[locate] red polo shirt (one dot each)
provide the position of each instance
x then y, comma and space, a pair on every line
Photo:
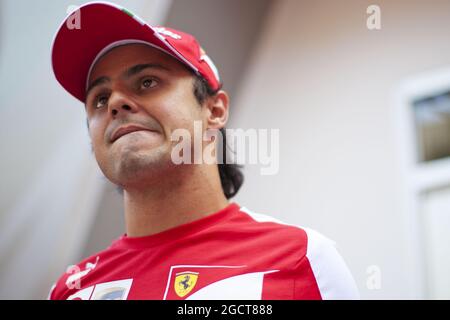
231, 254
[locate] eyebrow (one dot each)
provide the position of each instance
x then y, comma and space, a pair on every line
139, 67
97, 82
128, 73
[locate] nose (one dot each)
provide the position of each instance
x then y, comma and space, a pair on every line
120, 103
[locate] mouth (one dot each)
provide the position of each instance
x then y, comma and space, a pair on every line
121, 131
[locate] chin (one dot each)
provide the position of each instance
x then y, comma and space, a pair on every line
137, 168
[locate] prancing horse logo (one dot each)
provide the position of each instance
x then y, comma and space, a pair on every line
185, 282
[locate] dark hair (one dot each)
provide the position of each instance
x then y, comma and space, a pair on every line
231, 175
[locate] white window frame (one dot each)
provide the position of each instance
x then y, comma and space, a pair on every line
417, 177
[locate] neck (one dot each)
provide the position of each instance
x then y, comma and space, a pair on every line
187, 196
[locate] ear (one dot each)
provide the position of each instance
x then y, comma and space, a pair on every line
217, 110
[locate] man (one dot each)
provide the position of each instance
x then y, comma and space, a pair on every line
184, 239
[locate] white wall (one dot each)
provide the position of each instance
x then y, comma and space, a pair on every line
327, 82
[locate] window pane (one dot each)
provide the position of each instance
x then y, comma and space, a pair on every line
432, 118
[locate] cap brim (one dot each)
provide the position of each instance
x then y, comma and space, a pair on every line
100, 24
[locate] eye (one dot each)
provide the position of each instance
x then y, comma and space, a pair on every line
101, 101
148, 83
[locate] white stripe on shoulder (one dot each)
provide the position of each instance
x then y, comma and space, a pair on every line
332, 274
258, 217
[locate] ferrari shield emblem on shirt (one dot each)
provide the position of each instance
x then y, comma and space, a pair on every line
185, 282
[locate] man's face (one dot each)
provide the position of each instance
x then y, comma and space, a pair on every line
138, 85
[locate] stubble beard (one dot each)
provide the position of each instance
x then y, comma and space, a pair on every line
140, 168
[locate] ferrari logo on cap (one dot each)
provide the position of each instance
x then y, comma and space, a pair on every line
164, 32
185, 282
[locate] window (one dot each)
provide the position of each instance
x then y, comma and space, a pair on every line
432, 120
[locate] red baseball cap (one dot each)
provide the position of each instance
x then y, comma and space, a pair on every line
103, 26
